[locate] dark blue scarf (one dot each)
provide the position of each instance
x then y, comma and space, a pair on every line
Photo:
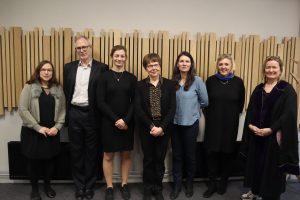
225, 78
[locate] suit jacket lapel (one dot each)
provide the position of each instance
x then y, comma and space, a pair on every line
73, 73
93, 72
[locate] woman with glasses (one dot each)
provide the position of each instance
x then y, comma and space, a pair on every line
270, 138
115, 95
155, 105
191, 96
42, 109
226, 93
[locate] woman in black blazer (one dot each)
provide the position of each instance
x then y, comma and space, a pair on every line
155, 105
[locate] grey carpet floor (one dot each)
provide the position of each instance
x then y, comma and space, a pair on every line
65, 191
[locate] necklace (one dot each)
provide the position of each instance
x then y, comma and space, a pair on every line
118, 77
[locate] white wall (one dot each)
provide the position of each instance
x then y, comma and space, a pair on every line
262, 17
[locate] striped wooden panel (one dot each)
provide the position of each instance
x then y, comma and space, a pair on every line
212, 54
20, 53
18, 74
145, 50
59, 67
2, 111
165, 55
8, 69
46, 48
40, 44
24, 60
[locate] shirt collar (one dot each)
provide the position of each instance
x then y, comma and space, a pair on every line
159, 82
80, 64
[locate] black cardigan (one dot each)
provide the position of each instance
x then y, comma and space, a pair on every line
167, 103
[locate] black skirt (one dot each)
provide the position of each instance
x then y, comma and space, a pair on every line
36, 146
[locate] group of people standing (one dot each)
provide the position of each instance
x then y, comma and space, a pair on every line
99, 105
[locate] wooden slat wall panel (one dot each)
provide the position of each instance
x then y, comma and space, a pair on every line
18, 75
8, 67
238, 58
12, 68
3, 63
20, 53
291, 63
212, 54
166, 68
2, 111
46, 48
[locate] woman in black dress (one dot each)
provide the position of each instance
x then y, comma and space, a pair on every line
226, 94
42, 109
270, 138
115, 95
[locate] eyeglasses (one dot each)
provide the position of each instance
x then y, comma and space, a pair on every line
83, 48
150, 66
46, 70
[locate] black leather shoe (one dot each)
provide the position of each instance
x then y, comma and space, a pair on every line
125, 192
89, 193
210, 190
109, 193
79, 194
49, 191
189, 190
175, 192
35, 195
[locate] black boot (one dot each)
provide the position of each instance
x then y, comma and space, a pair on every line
35, 195
222, 186
210, 190
189, 190
175, 191
48, 190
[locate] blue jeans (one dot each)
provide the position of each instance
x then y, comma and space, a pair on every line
184, 141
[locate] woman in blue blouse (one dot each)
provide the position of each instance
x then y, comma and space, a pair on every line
191, 96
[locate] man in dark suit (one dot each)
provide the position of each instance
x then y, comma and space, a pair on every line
82, 117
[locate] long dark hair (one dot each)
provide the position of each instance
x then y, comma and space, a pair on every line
190, 75
36, 74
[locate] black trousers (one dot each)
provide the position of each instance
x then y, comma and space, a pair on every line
184, 143
84, 146
219, 162
154, 150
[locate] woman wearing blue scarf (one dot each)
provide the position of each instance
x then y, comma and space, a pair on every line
226, 94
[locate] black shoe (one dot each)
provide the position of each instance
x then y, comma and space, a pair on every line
49, 191
189, 190
147, 194
89, 193
109, 193
210, 190
222, 187
35, 195
125, 192
175, 192
158, 195
79, 194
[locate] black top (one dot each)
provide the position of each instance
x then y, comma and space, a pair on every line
167, 103
226, 102
35, 145
115, 96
